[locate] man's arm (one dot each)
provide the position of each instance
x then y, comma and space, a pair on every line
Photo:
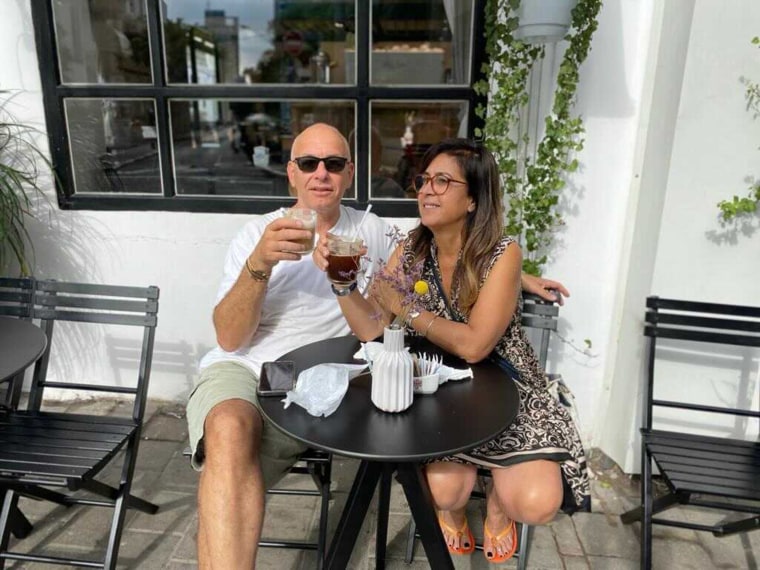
236, 316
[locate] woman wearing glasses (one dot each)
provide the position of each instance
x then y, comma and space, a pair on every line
473, 310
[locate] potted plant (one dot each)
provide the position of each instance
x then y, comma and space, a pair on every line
21, 163
540, 22
532, 181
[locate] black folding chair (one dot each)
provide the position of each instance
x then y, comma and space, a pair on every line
540, 317
705, 471
41, 450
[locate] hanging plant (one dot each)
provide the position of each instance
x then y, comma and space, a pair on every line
532, 184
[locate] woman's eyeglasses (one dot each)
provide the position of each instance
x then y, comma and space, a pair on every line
309, 164
439, 183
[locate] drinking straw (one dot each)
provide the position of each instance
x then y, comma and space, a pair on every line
364, 217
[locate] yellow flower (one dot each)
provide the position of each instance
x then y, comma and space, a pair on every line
421, 287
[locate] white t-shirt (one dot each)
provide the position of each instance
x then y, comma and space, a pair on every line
299, 307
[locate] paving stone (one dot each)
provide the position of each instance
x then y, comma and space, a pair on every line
608, 499
174, 510
154, 455
178, 473
143, 550
566, 537
575, 563
684, 555
288, 522
277, 559
187, 548
728, 551
543, 549
601, 537
168, 423
612, 563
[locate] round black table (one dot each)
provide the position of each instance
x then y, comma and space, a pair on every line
458, 417
21, 343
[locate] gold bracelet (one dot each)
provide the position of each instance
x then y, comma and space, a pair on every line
256, 274
430, 324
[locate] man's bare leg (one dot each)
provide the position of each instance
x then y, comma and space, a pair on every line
231, 488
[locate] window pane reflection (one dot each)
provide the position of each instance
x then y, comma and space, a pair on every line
102, 41
242, 148
258, 41
401, 133
420, 42
113, 145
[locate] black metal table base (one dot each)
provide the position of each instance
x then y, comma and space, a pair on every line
412, 480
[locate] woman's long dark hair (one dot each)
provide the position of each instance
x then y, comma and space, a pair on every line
483, 227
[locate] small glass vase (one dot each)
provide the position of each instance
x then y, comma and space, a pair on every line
392, 374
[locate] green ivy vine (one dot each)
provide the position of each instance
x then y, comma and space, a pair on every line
745, 205
531, 184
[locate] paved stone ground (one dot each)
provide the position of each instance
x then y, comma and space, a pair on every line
594, 540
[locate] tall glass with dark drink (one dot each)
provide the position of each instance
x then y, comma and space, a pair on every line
344, 261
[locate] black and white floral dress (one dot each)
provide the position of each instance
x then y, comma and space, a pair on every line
543, 429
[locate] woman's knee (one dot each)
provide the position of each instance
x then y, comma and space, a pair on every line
538, 505
450, 484
531, 493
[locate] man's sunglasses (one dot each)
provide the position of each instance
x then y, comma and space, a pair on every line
309, 164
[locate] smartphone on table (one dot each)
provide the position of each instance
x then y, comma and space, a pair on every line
277, 378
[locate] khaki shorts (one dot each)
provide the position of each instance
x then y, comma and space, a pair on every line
228, 381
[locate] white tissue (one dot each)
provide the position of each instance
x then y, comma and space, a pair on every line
369, 350
446, 373
321, 388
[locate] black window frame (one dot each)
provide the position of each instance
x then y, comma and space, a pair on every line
362, 94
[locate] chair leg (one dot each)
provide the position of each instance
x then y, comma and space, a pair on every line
10, 499
122, 502
523, 547
324, 486
646, 501
411, 537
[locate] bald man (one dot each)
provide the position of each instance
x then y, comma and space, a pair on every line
272, 299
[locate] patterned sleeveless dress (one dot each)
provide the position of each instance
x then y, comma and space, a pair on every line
543, 429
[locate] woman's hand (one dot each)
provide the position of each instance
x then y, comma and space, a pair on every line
321, 253
547, 289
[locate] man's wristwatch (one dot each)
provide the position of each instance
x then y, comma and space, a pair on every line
343, 291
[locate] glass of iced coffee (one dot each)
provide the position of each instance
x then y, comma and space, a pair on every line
309, 219
344, 261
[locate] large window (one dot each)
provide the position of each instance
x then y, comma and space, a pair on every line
194, 104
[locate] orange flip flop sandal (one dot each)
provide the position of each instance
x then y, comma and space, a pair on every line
492, 556
460, 533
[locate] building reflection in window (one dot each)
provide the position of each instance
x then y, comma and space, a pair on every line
261, 41
401, 133
248, 155
113, 145
102, 41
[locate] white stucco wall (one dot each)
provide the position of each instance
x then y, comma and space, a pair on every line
716, 146
697, 143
